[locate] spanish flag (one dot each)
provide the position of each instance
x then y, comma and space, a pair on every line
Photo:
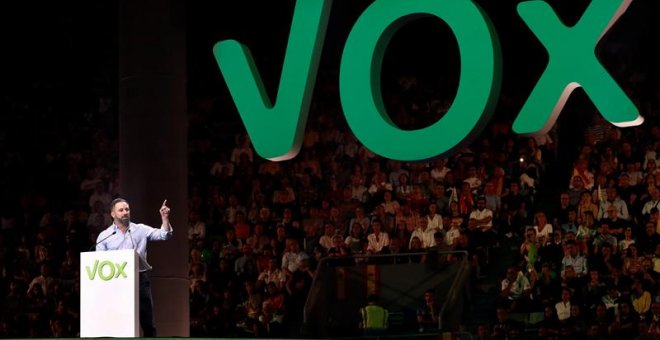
340, 283
372, 279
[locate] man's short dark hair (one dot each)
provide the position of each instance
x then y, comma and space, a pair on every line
115, 202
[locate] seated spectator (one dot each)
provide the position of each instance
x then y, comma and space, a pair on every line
573, 283
387, 220
276, 299
606, 262
223, 275
604, 237
279, 243
654, 201
326, 239
563, 307
270, 321
250, 304
377, 240
271, 275
196, 227
360, 220
433, 218
292, 257
595, 290
550, 322
99, 219
530, 248
241, 227
231, 244
515, 290
338, 249
581, 170
619, 206
428, 313
573, 259
641, 298
493, 200
602, 320
649, 240
586, 228
627, 241
396, 248
553, 249
631, 259
355, 241
543, 228
611, 300
416, 247
403, 189
627, 321
546, 286
502, 325
391, 205
44, 281
418, 199
452, 234
424, 234
571, 224
576, 190
408, 217
576, 322
480, 224
258, 239
587, 206
440, 198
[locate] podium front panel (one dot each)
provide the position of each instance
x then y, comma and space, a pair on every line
109, 294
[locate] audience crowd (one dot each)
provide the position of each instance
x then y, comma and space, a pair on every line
588, 255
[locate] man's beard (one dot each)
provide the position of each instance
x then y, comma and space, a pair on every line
126, 220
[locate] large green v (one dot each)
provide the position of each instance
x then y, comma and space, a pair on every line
276, 130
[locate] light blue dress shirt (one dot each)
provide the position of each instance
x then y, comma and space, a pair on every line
136, 237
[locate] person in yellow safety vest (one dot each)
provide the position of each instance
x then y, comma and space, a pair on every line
374, 317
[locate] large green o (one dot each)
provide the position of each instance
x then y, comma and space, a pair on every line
106, 264
478, 88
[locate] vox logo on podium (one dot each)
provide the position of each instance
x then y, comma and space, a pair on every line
276, 127
106, 270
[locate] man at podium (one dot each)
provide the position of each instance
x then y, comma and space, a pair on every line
124, 234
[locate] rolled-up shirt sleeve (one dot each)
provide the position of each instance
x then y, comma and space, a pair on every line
158, 234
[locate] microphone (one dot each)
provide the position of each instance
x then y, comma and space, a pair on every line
131, 236
105, 238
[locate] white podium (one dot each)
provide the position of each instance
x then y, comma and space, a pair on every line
109, 294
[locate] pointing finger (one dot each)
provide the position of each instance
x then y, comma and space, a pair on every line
165, 203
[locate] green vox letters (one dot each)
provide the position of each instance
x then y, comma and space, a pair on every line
106, 270
276, 128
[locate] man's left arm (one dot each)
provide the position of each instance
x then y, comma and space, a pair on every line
165, 217
165, 231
